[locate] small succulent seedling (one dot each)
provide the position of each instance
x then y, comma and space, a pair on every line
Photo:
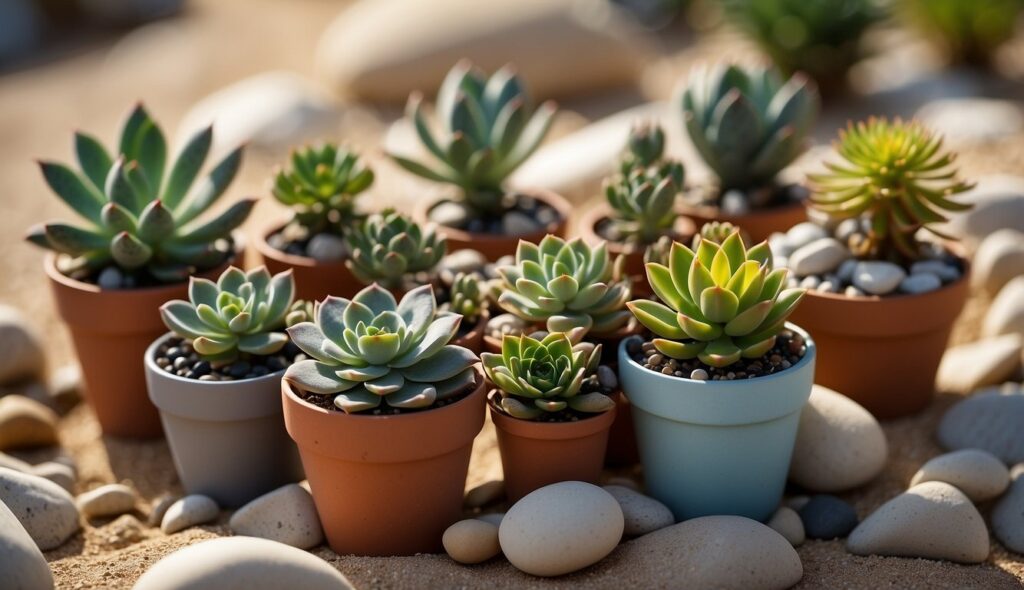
567, 285
373, 350
488, 128
142, 216
898, 176
716, 231
466, 298
659, 251
321, 186
301, 311
969, 32
718, 304
746, 123
387, 247
538, 377
240, 313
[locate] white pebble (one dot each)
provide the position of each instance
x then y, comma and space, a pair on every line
699, 375
979, 474
810, 282
787, 523
109, 500
878, 277
189, 511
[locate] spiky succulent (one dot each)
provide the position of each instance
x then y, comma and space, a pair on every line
718, 304
535, 377
321, 186
488, 128
746, 123
968, 32
566, 285
142, 216
387, 247
466, 297
240, 313
373, 350
897, 175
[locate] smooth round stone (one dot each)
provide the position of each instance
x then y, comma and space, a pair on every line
1006, 314
465, 261
845, 270
976, 473
110, 278
109, 500
65, 386
189, 511
22, 565
159, 509
494, 518
484, 494
989, 119
642, 514
989, 420
44, 508
450, 214
21, 350
58, 473
827, 517
846, 228
839, 444
933, 520
818, 257
998, 204
779, 245
804, 233
916, 284
241, 562
26, 423
787, 523
506, 323
471, 541
561, 528
988, 361
947, 273
877, 277
810, 282
1008, 514
326, 248
286, 515
999, 259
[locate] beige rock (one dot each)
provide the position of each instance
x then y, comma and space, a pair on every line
1006, 314
21, 351
189, 511
642, 514
486, 493
21, 562
998, 204
58, 473
978, 474
787, 523
159, 509
26, 423
990, 118
45, 509
999, 259
471, 541
109, 500
967, 367
286, 515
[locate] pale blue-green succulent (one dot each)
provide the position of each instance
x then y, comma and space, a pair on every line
387, 247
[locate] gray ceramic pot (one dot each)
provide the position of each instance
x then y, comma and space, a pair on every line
227, 437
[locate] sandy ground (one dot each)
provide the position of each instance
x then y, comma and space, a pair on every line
170, 65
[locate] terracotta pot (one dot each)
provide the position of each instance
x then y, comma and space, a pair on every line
594, 216
386, 485
536, 454
111, 330
494, 246
882, 352
474, 339
313, 280
227, 438
759, 223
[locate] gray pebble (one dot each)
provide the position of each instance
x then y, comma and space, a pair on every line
110, 278
845, 271
920, 283
945, 272
699, 375
878, 277
606, 377
827, 517
326, 248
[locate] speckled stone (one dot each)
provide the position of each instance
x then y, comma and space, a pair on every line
990, 420
979, 474
286, 515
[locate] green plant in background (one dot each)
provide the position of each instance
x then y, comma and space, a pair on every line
659, 251
969, 32
720, 303
240, 313
746, 123
898, 176
387, 247
141, 215
301, 311
488, 128
819, 37
538, 377
715, 231
567, 285
373, 350
466, 298
321, 186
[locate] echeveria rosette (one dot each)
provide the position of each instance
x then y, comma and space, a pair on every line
240, 313
535, 377
718, 304
373, 350
465, 296
321, 186
898, 176
569, 286
387, 247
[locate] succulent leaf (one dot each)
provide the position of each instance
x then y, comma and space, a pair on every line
322, 185
387, 247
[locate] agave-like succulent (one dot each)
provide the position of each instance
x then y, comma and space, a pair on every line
968, 32
488, 128
567, 285
466, 297
142, 216
374, 350
898, 176
240, 313
321, 186
387, 247
720, 303
535, 377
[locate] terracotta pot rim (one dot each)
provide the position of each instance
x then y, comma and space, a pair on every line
599, 212
212, 385
550, 430
479, 326
550, 198
881, 299
268, 251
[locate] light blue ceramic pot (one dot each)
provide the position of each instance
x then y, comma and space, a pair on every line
717, 447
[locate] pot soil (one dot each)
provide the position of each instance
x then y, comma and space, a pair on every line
758, 223
494, 246
227, 438
717, 447
314, 280
386, 485
111, 330
535, 454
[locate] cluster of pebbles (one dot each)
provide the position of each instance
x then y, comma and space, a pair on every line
527, 215
177, 357
789, 348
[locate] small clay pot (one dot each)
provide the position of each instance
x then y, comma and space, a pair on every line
386, 485
494, 246
314, 280
474, 339
683, 231
758, 223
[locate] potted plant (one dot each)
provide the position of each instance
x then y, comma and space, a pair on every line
880, 295
141, 242
384, 413
467, 298
965, 32
216, 381
489, 128
718, 389
321, 187
748, 124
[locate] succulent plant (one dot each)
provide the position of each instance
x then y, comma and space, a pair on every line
895, 174
659, 251
567, 285
715, 231
373, 349
466, 298
968, 32
142, 216
302, 310
488, 128
644, 148
387, 247
718, 304
243, 312
321, 186
535, 377
747, 124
